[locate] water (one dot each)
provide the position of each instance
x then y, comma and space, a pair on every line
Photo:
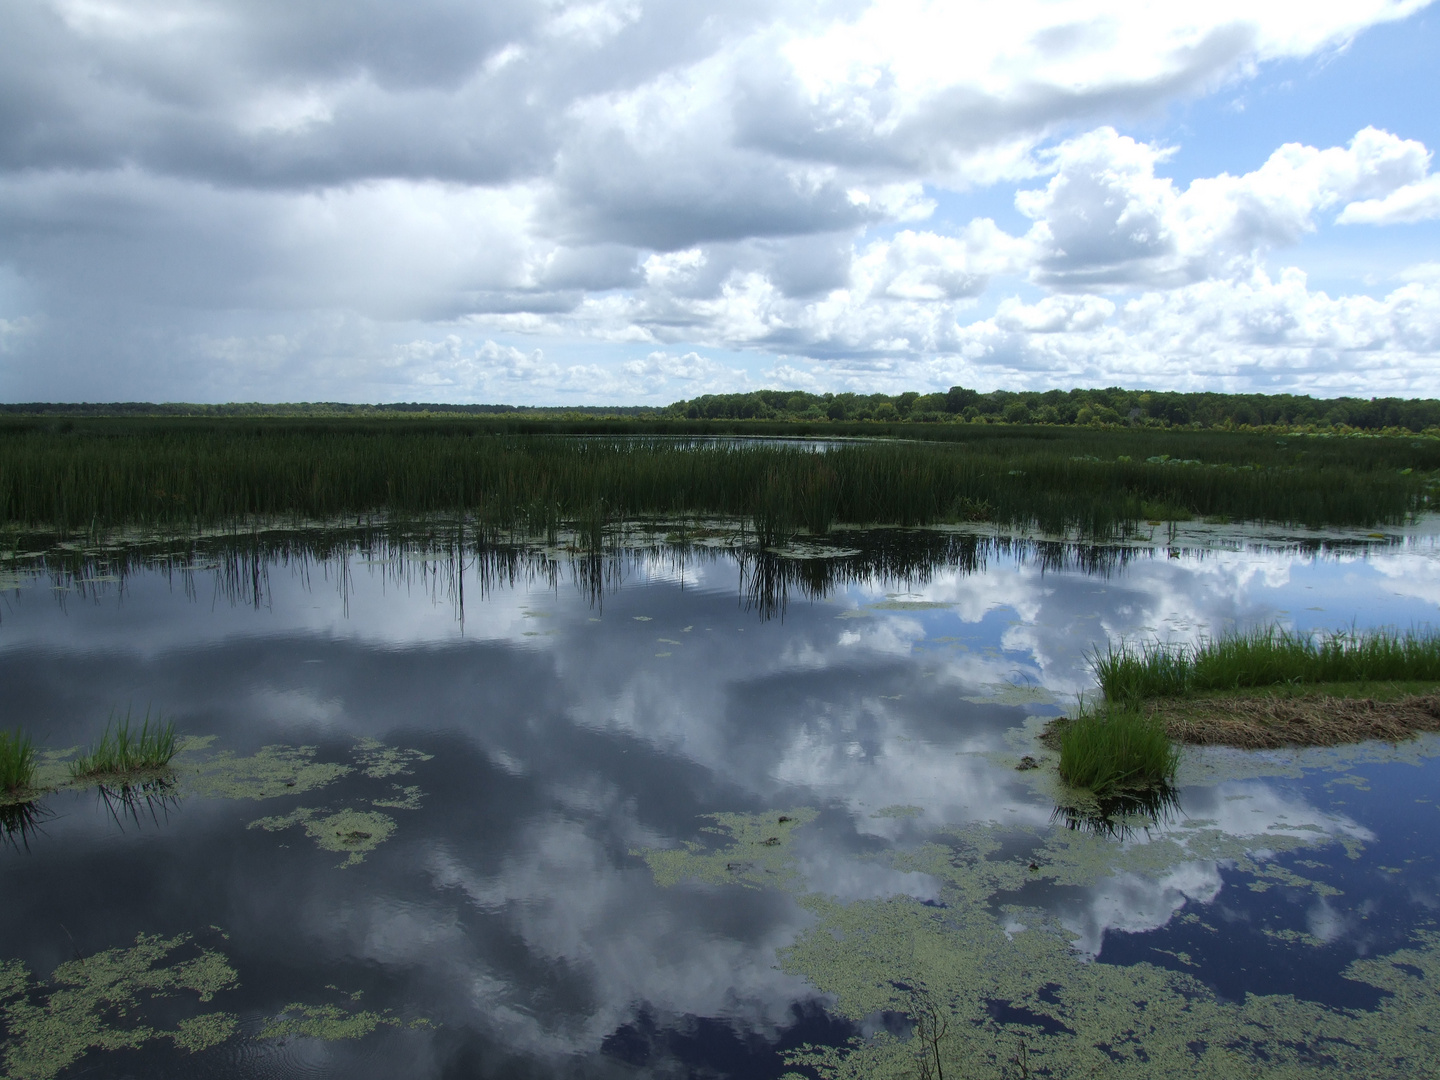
690, 812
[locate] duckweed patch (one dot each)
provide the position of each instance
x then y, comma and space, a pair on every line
378, 761
758, 852
331, 1023
270, 773
407, 798
974, 949
1091, 1019
353, 833
898, 811
100, 1002
1005, 693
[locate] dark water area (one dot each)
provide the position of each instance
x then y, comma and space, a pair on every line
693, 811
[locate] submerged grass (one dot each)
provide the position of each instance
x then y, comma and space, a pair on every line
17, 762
124, 751
1266, 657
1110, 750
185, 474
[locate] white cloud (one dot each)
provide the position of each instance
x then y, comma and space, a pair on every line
1105, 219
1419, 201
260, 198
1053, 314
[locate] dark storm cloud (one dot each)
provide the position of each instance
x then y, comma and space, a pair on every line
282, 94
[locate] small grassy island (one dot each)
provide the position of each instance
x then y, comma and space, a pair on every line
1259, 690
125, 754
17, 764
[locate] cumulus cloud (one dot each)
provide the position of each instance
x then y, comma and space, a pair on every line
189, 195
1419, 201
1106, 219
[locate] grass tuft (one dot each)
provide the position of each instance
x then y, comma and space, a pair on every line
17, 761
1116, 750
124, 751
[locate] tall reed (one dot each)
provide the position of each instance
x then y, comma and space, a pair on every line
181, 475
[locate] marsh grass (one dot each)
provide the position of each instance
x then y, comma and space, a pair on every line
125, 750
1111, 750
187, 474
1266, 657
17, 762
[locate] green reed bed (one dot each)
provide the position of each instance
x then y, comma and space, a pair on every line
1114, 750
125, 750
1266, 657
17, 762
181, 475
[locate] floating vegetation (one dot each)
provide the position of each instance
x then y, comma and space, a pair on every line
1010, 693
269, 773
898, 811
407, 798
101, 1002
378, 761
353, 833
331, 1022
133, 795
17, 764
757, 854
1111, 749
988, 984
1091, 1019
123, 751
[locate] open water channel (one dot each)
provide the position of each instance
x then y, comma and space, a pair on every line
686, 811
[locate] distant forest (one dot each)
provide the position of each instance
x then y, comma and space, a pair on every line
1112, 406
1108, 407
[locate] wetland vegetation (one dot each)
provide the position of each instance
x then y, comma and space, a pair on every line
89, 475
17, 762
1111, 750
1271, 687
1268, 656
126, 751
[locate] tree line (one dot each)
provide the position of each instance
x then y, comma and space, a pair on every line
1110, 406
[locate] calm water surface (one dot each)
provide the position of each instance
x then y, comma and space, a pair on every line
694, 813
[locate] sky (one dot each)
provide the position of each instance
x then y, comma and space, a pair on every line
634, 201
